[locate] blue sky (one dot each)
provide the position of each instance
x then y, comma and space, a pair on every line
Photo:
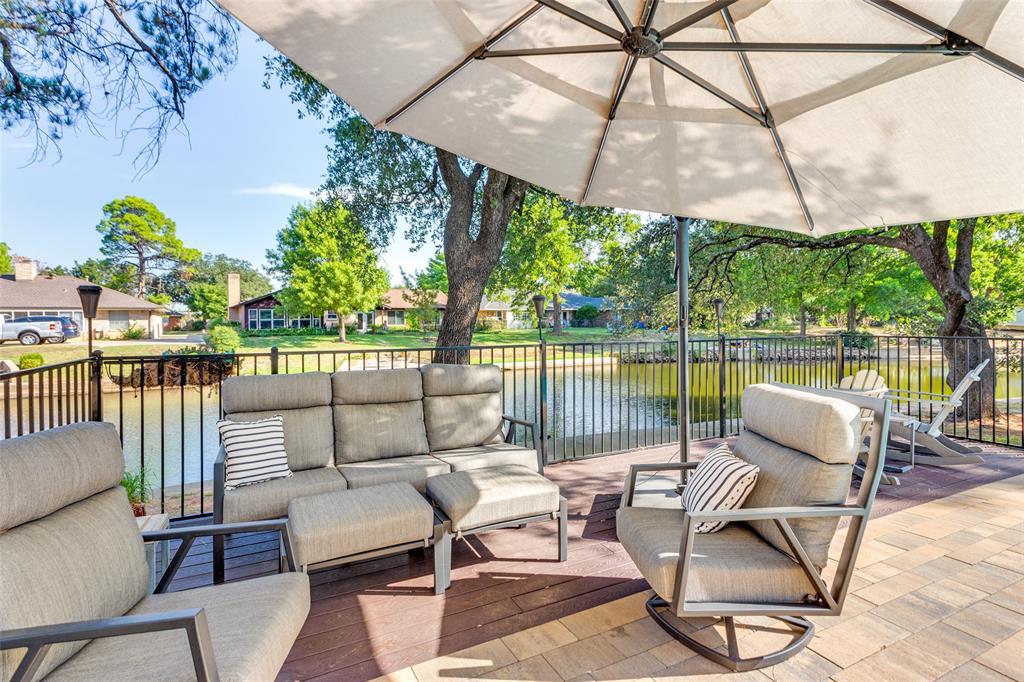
229, 186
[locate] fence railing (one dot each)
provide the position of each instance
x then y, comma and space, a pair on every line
589, 398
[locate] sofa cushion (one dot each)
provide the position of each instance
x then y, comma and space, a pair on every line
371, 387
253, 451
720, 481
481, 497
276, 392
81, 562
335, 525
488, 455
415, 470
823, 427
43, 472
253, 624
270, 500
733, 565
793, 479
460, 421
308, 434
441, 379
369, 432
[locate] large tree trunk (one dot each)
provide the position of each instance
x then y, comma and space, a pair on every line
803, 320
341, 329
851, 317
556, 309
471, 260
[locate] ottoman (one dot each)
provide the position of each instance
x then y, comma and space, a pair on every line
478, 500
346, 526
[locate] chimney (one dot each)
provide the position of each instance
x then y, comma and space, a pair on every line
25, 270
234, 293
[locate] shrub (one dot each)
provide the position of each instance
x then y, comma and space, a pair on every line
30, 360
136, 485
861, 340
378, 329
133, 332
288, 331
587, 313
223, 340
488, 324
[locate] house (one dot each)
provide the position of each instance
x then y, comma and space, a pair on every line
572, 302
393, 310
1016, 324
29, 292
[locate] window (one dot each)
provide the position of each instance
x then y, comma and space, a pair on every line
331, 315
396, 318
118, 319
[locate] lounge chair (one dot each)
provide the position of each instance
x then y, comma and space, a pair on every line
768, 560
74, 602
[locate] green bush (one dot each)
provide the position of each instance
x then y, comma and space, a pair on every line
378, 329
288, 331
488, 324
30, 360
223, 340
134, 332
587, 313
861, 340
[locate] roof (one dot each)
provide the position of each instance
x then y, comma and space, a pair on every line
395, 299
572, 301
248, 301
494, 304
61, 291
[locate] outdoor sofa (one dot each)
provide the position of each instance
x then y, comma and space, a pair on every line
74, 583
356, 429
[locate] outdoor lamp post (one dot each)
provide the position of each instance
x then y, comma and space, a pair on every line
90, 297
719, 311
538, 304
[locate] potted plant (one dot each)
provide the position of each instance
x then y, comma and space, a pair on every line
134, 483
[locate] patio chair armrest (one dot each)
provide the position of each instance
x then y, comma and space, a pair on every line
770, 513
534, 435
38, 639
188, 534
218, 485
630, 488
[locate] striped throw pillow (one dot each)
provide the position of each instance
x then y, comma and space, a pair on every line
720, 481
253, 451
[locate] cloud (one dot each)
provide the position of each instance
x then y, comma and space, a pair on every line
278, 189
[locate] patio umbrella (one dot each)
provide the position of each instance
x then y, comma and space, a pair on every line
813, 117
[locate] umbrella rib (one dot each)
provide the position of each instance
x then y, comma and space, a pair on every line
567, 49
692, 19
647, 19
884, 48
475, 54
620, 14
582, 18
762, 104
713, 89
950, 38
620, 91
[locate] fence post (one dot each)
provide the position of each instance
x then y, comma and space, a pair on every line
95, 388
273, 359
543, 349
840, 360
721, 385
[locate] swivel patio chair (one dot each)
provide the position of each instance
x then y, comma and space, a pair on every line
768, 561
74, 602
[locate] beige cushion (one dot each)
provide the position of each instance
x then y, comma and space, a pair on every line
441, 379
42, 472
790, 478
415, 470
270, 500
369, 432
484, 496
253, 624
826, 428
83, 561
308, 434
733, 565
488, 455
376, 386
460, 421
276, 392
334, 525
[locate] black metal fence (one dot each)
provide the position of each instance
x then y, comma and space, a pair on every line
589, 398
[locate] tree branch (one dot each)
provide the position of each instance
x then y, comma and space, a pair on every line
179, 102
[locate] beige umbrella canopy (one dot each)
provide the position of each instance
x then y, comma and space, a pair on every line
814, 116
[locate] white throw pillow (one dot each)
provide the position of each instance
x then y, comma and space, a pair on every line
720, 481
253, 451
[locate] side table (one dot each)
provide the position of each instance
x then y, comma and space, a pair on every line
148, 523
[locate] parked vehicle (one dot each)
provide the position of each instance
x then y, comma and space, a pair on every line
29, 331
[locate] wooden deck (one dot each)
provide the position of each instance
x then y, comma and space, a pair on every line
382, 616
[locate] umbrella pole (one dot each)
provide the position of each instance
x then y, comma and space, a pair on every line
682, 250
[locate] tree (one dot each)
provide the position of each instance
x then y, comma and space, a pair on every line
6, 264
210, 301
213, 268
105, 272
327, 262
435, 275
135, 231
973, 267
641, 273
68, 64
